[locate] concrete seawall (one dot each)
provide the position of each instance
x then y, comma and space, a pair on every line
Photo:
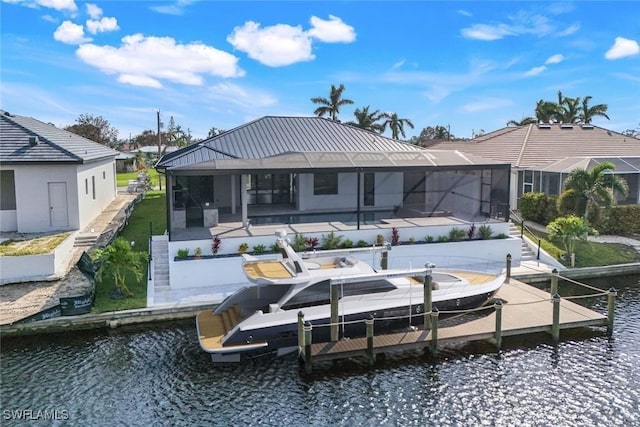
150, 315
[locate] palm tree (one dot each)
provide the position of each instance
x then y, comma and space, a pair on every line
569, 109
583, 189
331, 106
396, 124
525, 121
118, 259
367, 120
546, 111
588, 113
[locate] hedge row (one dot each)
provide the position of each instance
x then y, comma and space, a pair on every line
620, 220
538, 207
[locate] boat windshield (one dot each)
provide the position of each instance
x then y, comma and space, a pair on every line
320, 293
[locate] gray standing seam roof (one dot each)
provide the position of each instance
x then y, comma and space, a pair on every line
272, 136
53, 144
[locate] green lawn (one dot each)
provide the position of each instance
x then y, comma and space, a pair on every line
123, 179
151, 210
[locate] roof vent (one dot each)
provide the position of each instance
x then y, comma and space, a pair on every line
587, 126
33, 141
566, 126
544, 126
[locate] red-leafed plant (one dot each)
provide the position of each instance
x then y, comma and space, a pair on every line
312, 243
395, 236
216, 244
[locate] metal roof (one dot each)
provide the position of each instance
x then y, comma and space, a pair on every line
27, 140
538, 145
367, 160
271, 135
622, 164
294, 143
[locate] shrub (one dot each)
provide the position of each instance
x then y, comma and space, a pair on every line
395, 236
347, 244
183, 253
501, 236
243, 248
533, 206
567, 231
471, 232
312, 243
216, 244
456, 234
197, 252
429, 239
275, 248
379, 240
620, 220
299, 243
485, 232
259, 249
362, 244
443, 239
331, 241
412, 240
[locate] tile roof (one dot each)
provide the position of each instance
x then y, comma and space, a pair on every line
50, 143
271, 136
538, 145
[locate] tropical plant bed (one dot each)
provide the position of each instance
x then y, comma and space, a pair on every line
34, 246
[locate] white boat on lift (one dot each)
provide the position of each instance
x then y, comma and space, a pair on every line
264, 315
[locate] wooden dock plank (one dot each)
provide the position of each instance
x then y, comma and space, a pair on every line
526, 310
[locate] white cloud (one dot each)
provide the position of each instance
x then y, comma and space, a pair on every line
173, 9
486, 104
275, 46
50, 18
555, 59
60, 5
331, 31
102, 25
535, 71
622, 48
146, 61
572, 29
487, 32
464, 12
94, 11
70, 33
398, 64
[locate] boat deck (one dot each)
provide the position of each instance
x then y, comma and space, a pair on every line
267, 269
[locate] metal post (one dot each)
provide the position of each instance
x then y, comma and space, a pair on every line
498, 334
522, 229
150, 241
300, 331
335, 293
538, 256
428, 283
358, 196
307, 347
611, 305
555, 328
508, 268
434, 331
554, 282
369, 325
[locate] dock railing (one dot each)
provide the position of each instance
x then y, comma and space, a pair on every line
429, 335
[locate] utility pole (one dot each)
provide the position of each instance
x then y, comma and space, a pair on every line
159, 147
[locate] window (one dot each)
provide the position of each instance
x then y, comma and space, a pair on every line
104, 175
86, 186
269, 189
7, 191
369, 189
93, 186
325, 183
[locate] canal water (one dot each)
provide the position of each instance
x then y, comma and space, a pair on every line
159, 377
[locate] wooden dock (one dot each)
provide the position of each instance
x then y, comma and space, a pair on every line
525, 310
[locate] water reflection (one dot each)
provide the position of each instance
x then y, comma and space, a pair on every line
159, 376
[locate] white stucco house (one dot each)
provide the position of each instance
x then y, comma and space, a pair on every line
51, 179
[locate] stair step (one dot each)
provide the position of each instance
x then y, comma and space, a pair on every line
226, 321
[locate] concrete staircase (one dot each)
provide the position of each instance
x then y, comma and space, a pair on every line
85, 240
160, 252
528, 253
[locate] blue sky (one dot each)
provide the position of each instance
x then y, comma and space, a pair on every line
466, 65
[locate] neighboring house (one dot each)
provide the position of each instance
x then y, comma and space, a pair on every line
125, 162
51, 179
285, 170
542, 155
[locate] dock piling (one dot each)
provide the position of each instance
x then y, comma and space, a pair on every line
506, 280
369, 324
307, 347
334, 311
611, 305
434, 331
554, 282
555, 327
428, 283
300, 330
498, 333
